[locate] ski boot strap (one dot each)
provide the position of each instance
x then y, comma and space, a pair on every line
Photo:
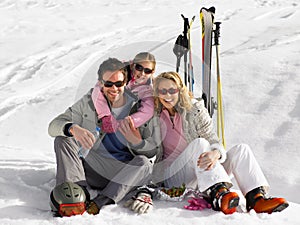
253, 196
216, 192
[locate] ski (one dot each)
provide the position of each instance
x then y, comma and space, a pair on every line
207, 20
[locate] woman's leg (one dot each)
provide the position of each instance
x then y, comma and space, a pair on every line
242, 164
185, 170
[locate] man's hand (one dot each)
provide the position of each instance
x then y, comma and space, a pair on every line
207, 160
83, 136
128, 130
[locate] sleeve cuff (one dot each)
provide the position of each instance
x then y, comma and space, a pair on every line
67, 129
222, 151
139, 146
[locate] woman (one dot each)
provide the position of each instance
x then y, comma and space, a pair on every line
194, 156
141, 72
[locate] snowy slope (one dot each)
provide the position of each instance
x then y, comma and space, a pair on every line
49, 52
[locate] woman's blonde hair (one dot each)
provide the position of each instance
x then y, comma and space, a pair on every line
185, 96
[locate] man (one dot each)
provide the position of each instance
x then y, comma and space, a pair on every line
116, 162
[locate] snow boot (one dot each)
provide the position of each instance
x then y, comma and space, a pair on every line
92, 208
97, 203
257, 200
222, 199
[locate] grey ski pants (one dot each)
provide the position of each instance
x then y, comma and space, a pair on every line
111, 178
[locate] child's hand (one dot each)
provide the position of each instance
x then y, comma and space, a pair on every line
128, 130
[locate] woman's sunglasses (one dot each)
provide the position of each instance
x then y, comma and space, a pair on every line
171, 91
140, 68
110, 83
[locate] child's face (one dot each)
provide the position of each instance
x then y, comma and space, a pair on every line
142, 71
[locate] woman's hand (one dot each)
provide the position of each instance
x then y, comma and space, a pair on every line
83, 136
128, 130
207, 160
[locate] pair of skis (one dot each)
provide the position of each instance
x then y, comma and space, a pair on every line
211, 31
182, 47
207, 20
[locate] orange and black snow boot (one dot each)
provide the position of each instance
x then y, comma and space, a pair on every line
222, 199
257, 200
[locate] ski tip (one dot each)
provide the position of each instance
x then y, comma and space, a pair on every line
211, 9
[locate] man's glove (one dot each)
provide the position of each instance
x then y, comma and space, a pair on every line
197, 204
141, 203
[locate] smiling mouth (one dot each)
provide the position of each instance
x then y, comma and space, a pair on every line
113, 93
167, 100
140, 78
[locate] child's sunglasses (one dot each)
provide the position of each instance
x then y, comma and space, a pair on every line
140, 68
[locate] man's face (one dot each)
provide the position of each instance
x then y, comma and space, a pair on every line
114, 79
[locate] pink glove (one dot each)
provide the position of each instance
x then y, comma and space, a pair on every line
109, 124
197, 204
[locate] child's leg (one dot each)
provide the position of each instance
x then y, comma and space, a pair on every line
100, 102
109, 123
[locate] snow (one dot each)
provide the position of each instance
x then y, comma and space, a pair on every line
49, 52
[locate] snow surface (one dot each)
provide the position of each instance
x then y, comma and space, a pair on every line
49, 52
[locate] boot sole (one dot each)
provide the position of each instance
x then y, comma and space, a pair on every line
280, 207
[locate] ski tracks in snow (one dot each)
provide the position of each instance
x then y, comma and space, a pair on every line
274, 74
281, 28
37, 77
283, 105
21, 184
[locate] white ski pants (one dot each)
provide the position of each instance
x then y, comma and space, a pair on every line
240, 163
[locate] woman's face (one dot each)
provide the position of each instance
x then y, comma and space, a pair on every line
168, 93
142, 71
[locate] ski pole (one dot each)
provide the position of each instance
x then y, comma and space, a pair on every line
186, 45
179, 49
190, 72
220, 117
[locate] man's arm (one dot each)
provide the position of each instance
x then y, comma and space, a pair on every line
60, 125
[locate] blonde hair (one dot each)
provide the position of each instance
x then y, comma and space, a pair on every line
145, 56
185, 97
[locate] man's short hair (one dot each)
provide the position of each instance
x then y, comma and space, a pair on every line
112, 64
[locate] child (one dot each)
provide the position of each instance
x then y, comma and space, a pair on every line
142, 70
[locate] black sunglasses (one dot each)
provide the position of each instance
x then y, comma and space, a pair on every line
171, 91
110, 83
140, 68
